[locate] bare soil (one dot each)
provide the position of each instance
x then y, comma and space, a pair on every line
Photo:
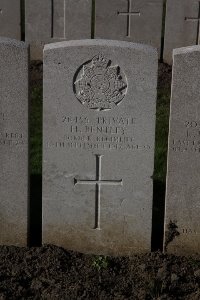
50, 272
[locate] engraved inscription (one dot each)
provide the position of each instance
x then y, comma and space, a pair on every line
129, 14
190, 19
189, 231
190, 142
98, 85
11, 139
98, 182
101, 133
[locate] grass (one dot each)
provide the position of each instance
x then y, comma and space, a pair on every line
162, 121
155, 288
36, 131
100, 262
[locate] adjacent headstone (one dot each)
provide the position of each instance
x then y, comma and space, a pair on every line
56, 20
182, 26
13, 142
130, 20
182, 224
10, 20
99, 129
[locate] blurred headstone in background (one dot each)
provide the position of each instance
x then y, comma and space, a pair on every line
49, 21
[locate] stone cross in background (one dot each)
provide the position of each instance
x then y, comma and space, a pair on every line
14, 164
58, 22
99, 101
49, 21
138, 21
182, 26
129, 14
190, 19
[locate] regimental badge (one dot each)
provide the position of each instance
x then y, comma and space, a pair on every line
98, 85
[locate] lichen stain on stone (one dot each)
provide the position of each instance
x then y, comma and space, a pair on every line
171, 233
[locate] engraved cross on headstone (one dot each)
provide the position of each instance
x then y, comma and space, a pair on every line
198, 25
129, 14
98, 182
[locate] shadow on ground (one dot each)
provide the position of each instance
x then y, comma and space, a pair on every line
35, 217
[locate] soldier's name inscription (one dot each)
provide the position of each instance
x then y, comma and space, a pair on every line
103, 133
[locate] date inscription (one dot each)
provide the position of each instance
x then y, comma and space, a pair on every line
100, 133
11, 139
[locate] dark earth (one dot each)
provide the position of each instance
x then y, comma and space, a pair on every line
50, 272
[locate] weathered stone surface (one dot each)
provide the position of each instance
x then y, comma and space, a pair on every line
13, 142
10, 19
182, 26
56, 20
137, 21
182, 233
99, 125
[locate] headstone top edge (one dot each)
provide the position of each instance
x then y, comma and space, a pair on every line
13, 42
101, 42
186, 50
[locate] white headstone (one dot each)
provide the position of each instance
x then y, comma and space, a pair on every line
13, 142
56, 20
182, 26
10, 20
182, 224
137, 21
99, 129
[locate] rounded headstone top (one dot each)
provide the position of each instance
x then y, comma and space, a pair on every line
101, 42
185, 50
